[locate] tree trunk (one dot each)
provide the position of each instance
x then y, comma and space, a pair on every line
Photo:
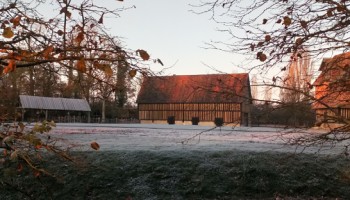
103, 117
31, 81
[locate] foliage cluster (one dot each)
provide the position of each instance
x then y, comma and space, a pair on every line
66, 53
23, 147
288, 114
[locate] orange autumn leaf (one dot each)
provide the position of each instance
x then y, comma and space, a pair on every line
95, 145
80, 37
26, 54
103, 56
16, 21
81, 66
7, 33
48, 51
108, 70
5, 152
262, 57
143, 54
10, 67
132, 73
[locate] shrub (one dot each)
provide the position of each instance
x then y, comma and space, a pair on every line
219, 121
171, 120
195, 120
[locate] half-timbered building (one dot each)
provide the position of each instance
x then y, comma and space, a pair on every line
195, 99
332, 90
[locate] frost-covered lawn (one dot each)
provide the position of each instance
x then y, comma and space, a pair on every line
184, 162
186, 137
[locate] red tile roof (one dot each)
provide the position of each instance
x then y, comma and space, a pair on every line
332, 67
333, 100
229, 88
341, 60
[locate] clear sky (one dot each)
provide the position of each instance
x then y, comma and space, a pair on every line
169, 31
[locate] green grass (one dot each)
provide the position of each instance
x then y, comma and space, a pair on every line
186, 175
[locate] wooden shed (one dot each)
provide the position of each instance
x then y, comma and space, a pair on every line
52, 108
192, 99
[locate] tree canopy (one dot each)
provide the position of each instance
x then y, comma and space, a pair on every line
39, 42
273, 31
73, 36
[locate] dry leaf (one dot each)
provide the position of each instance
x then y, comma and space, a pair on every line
80, 37
267, 38
160, 62
298, 41
108, 70
95, 145
60, 32
8, 33
260, 44
287, 21
132, 73
252, 47
16, 21
100, 21
262, 57
330, 12
303, 24
48, 51
10, 67
81, 66
143, 54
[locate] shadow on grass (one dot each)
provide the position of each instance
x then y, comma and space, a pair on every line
185, 175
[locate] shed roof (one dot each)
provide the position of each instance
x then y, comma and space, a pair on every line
51, 103
210, 88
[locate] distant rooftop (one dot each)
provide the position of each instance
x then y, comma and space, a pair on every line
210, 88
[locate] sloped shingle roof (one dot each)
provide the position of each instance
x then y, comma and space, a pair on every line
51, 103
229, 88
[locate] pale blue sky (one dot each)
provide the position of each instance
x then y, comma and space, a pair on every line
169, 31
